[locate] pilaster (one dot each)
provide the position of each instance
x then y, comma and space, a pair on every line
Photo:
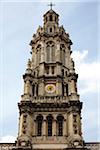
44, 128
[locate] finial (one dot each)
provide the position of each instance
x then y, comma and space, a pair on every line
51, 5
28, 69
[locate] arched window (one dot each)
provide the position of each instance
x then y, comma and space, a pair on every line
39, 121
50, 30
60, 119
49, 125
50, 18
33, 89
50, 52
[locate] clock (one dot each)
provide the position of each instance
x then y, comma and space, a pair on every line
50, 88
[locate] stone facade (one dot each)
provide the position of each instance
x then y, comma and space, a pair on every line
89, 146
50, 108
93, 145
7, 146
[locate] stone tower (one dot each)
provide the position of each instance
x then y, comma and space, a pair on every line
50, 109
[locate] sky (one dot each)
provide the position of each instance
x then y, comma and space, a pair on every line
19, 20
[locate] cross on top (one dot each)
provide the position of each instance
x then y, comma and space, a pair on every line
51, 5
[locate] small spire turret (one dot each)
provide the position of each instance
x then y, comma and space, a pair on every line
28, 70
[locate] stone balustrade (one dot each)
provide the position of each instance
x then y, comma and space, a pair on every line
47, 99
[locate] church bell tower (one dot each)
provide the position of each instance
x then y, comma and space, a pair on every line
50, 109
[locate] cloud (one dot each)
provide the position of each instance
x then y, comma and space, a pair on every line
79, 56
89, 78
7, 139
89, 73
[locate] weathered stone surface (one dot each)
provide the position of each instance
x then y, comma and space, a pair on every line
50, 107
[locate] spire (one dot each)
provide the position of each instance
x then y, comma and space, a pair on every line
51, 15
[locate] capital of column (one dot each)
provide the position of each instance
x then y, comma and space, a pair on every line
55, 117
44, 117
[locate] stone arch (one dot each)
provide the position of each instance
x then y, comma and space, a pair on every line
50, 51
51, 17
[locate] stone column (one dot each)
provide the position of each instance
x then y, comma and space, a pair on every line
37, 58
29, 125
72, 86
67, 57
58, 70
70, 124
57, 51
79, 124
64, 90
59, 88
35, 90
20, 125
42, 55
54, 126
44, 128
41, 70
26, 124
35, 128
41, 88
65, 126
27, 87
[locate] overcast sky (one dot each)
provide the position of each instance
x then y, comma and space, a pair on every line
19, 19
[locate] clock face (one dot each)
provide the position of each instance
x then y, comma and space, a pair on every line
50, 88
